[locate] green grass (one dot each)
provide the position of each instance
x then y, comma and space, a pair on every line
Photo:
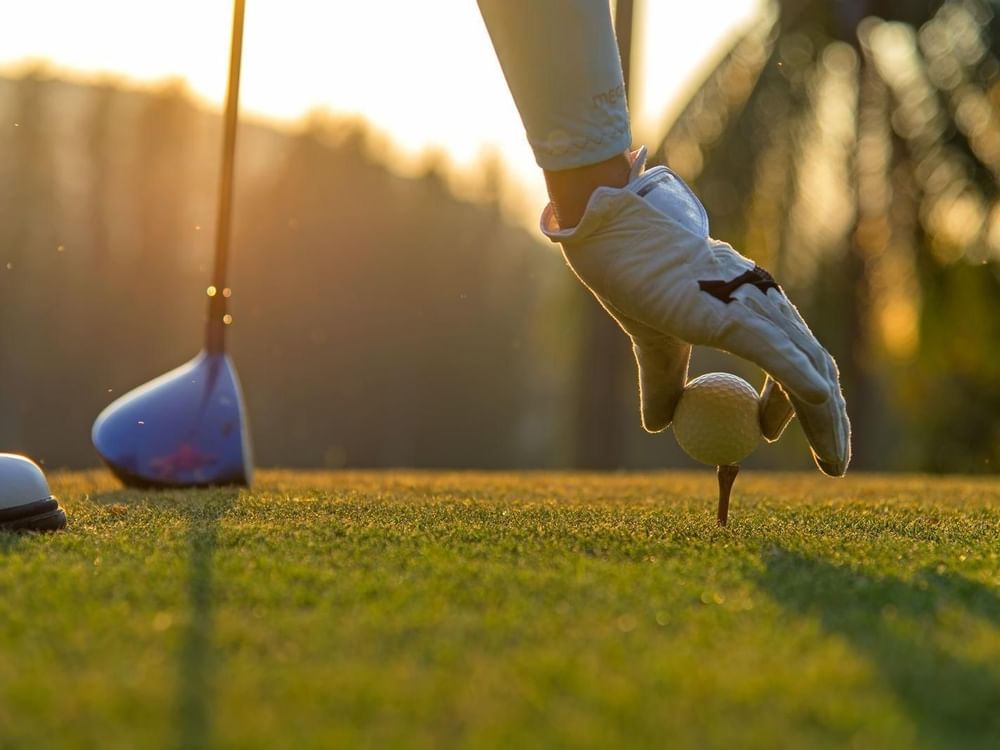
382, 610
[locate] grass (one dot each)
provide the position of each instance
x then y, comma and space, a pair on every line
382, 610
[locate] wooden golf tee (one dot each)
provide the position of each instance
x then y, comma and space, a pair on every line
727, 475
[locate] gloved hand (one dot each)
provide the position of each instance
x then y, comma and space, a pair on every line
645, 254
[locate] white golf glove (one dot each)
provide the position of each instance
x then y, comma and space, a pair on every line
644, 252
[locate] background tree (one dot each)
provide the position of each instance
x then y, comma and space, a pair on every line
27, 240
854, 148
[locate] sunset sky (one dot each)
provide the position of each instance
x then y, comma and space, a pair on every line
422, 72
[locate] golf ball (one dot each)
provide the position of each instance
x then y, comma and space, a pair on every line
717, 420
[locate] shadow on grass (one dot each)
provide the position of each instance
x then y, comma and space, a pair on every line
951, 701
203, 511
196, 656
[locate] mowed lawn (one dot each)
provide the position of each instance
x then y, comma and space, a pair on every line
422, 610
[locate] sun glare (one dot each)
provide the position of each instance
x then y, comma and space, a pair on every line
423, 73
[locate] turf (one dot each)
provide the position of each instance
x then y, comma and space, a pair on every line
411, 610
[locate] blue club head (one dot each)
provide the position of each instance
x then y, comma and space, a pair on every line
187, 428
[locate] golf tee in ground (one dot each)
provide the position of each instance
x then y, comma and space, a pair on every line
727, 475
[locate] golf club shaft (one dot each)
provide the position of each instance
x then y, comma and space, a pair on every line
215, 338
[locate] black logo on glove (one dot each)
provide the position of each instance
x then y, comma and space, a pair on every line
756, 276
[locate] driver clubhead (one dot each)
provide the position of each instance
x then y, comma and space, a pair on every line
186, 428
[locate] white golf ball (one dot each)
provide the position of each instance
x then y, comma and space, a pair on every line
717, 420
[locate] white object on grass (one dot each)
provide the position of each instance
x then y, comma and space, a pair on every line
26, 504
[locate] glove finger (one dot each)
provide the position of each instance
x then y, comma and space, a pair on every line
776, 410
831, 448
816, 399
750, 335
662, 361
663, 368
829, 433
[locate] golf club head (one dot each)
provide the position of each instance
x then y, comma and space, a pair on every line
26, 504
187, 428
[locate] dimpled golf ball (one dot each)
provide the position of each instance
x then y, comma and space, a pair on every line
717, 420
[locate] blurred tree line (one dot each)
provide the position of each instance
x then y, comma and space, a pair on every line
382, 321
378, 319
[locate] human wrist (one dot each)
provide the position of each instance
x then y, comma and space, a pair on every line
570, 189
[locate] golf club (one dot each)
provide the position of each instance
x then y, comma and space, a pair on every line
188, 428
26, 504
